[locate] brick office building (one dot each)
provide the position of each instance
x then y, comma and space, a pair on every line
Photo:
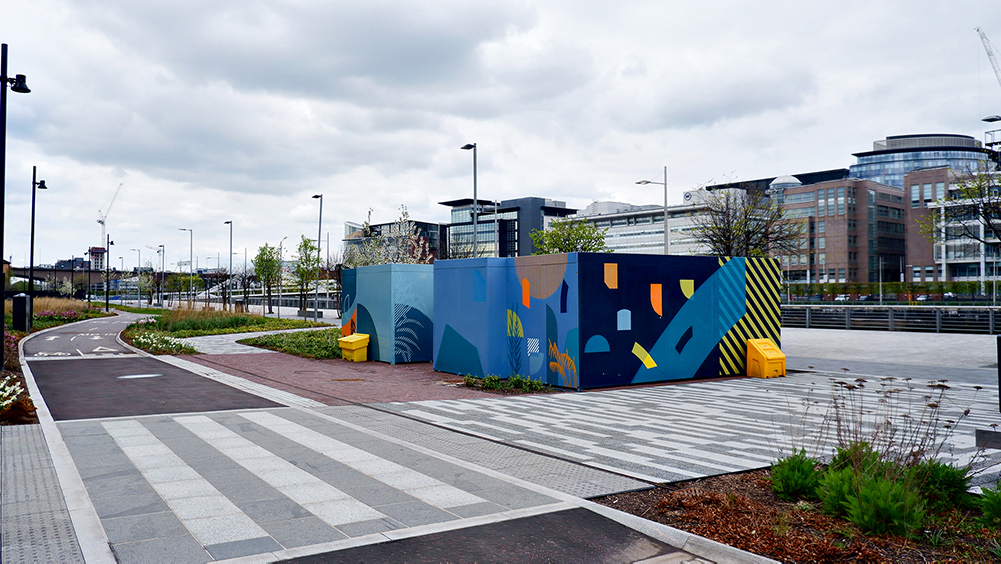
853, 229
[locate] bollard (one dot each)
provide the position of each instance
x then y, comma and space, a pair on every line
22, 313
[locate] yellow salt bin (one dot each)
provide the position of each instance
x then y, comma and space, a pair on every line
764, 359
354, 347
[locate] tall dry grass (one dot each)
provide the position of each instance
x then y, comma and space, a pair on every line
55, 305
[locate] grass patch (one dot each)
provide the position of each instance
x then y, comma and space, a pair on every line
140, 310
309, 344
198, 323
51, 312
513, 384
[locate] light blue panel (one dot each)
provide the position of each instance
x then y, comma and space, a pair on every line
394, 294
624, 320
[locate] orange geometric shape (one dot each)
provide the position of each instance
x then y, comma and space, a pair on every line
349, 328
612, 275
657, 298
526, 294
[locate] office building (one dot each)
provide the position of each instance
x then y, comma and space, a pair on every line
639, 229
503, 228
892, 158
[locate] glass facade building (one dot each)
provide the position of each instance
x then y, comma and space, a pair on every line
892, 158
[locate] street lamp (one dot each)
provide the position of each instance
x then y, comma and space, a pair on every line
17, 84
229, 275
40, 185
467, 147
191, 262
139, 262
163, 270
280, 243
319, 231
667, 225
107, 273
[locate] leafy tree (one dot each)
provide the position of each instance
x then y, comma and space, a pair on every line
307, 268
399, 243
740, 223
146, 281
569, 235
267, 268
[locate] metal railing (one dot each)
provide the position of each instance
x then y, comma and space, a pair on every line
925, 319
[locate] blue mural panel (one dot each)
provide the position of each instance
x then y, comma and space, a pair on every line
637, 318
394, 305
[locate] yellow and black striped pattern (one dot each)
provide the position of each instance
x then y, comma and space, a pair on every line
761, 320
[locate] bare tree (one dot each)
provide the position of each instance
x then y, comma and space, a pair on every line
971, 211
400, 243
740, 223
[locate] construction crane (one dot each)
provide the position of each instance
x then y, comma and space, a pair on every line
102, 214
990, 53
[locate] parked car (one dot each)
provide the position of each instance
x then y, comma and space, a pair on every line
842, 298
949, 296
866, 298
923, 298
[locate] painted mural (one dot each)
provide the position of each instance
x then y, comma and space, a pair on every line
590, 320
393, 304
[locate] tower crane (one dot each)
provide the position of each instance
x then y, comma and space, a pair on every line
102, 214
990, 54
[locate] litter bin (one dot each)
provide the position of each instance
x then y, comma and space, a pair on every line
764, 359
22, 313
238, 305
354, 347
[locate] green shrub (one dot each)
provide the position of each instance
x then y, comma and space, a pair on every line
492, 382
861, 458
885, 506
990, 507
795, 477
516, 382
836, 486
529, 385
310, 344
942, 485
470, 381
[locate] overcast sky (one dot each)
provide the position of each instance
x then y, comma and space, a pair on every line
242, 110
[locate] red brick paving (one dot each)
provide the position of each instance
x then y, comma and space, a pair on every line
341, 382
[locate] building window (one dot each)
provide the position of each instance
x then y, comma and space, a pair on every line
929, 273
821, 242
916, 274
841, 200
821, 225
940, 190
821, 203
841, 275
830, 201
915, 195
822, 258
927, 193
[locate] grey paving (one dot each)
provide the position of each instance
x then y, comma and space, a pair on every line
228, 484
36, 524
670, 433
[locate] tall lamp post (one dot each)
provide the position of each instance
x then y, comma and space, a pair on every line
107, 274
163, 271
17, 84
476, 235
667, 225
40, 185
280, 243
319, 230
191, 262
229, 275
139, 262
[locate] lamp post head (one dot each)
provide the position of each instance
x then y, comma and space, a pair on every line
227, 223
468, 146
41, 185
992, 119
643, 182
19, 84
320, 196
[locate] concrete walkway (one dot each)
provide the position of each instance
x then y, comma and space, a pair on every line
316, 475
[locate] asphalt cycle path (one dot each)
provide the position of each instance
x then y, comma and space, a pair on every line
84, 371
